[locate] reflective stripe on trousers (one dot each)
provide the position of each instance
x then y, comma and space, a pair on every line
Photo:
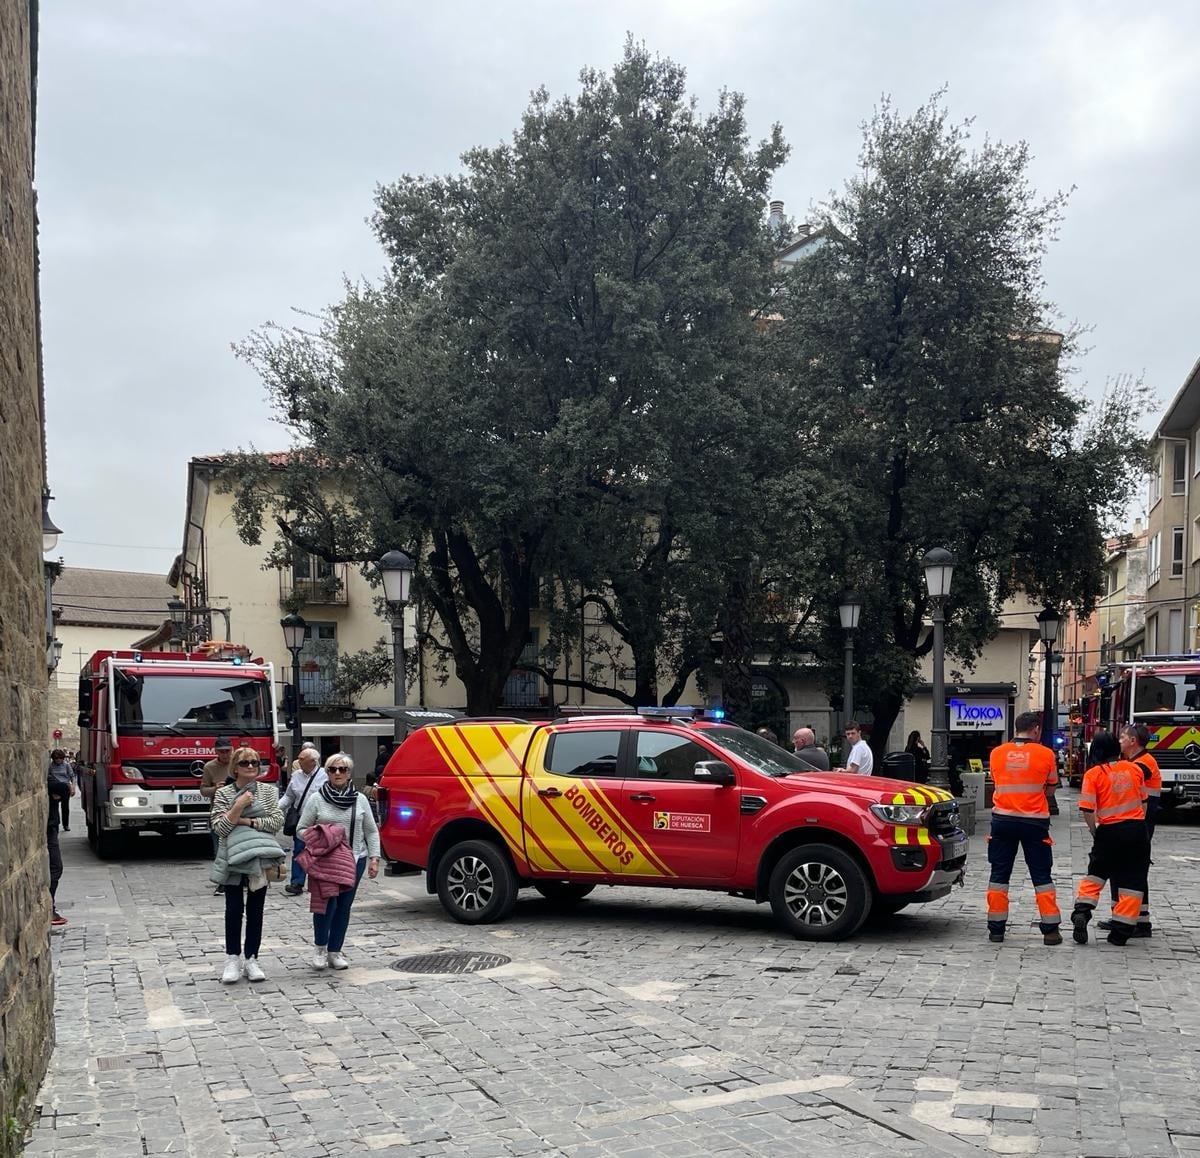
1032, 837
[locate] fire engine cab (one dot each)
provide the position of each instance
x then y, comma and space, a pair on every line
149, 723
1162, 692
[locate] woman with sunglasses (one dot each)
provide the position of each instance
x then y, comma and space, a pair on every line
245, 817
339, 803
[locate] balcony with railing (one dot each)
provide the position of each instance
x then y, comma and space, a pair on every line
313, 580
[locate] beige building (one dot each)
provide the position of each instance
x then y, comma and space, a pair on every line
985, 698
97, 610
1173, 526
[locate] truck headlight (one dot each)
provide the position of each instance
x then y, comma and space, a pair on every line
900, 813
131, 801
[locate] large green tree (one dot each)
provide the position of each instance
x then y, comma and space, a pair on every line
551, 380
917, 332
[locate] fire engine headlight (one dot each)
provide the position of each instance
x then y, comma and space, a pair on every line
130, 801
900, 813
131, 773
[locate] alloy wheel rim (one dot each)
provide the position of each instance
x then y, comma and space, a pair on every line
471, 884
816, 894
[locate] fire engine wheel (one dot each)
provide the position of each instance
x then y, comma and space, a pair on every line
563, 892
110, 845
476, 884
819, 893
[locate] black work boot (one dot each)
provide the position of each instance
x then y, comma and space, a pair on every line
1117, 937
1079, 924
1052, 938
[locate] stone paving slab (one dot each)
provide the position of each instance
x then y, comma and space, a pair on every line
644, 1022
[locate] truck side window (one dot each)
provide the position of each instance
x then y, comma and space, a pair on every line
583, 753
663, 756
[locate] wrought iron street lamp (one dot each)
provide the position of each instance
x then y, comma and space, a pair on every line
938, 565
849, 610
293, 639
396, 571
50, 532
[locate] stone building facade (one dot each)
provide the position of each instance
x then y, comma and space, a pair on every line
26, 992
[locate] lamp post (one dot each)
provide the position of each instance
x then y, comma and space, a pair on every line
177, 614
1048, 620
849, 610
293, 639
396, 571
938, 564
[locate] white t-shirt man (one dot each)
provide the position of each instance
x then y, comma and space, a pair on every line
859, 761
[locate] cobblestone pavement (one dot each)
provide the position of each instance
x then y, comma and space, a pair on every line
644, 1022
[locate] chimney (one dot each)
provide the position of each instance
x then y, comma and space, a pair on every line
775, 219
1137, 527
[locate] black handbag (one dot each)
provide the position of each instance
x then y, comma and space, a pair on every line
291, 818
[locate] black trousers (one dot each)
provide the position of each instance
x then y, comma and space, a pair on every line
1120, 854
55, 859
65, 804
1151, 817
238, 900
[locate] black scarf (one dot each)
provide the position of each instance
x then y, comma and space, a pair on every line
346, 799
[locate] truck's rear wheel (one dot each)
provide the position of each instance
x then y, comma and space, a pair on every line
563, 892
476, 883
819, 893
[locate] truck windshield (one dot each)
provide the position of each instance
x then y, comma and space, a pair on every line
1160, 695
191, 702
755, 750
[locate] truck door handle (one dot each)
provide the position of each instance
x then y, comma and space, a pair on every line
548, 792
642, 797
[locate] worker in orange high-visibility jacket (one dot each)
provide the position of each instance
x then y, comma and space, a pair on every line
1133, 739
1025, 775
1112, 801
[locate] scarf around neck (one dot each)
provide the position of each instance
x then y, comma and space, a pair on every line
342, 800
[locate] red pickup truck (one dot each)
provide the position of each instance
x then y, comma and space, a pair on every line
663, 799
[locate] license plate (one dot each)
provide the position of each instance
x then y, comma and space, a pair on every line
1181, 777
955, 850
188, 798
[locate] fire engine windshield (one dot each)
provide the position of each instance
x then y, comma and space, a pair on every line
757, 751
1160, 695
183, 703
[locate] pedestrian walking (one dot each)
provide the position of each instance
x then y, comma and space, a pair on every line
245, 817
62, 773
336, 804
860, 761
57, 794
1133, 739
1025, 774
920, 754
307, 777
307, 746
804, 742
1112, 803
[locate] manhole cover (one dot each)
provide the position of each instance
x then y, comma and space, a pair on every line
149, 1060
450, 962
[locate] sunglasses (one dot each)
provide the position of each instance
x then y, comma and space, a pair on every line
337, 768
248, 763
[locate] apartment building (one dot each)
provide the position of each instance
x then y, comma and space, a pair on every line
1173, 526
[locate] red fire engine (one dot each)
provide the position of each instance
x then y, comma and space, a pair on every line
1162, 692
148, 724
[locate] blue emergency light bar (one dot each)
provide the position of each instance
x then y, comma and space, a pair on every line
684, 713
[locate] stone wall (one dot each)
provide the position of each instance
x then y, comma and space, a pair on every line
26, 993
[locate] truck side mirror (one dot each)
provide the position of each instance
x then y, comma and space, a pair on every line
85, 703
713, 772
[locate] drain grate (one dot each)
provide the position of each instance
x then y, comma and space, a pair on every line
450, 962
150, 1060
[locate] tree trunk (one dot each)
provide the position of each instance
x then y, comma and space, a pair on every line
887, 707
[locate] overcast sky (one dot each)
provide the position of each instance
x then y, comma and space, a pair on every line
206, 165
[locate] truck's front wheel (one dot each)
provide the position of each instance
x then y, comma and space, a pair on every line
819, 893
475, 883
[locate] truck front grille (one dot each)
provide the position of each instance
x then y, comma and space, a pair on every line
167, 769
943, 818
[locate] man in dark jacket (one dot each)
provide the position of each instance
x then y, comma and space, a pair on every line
805, 742
57, 793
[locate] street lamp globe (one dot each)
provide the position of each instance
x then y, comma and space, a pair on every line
1047, 621
396, 571
938, 564
293, 632
50, 532
849, 610
1057, 660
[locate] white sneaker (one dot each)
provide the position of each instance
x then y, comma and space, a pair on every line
253, 972
233, 970
320, 957
337, 961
